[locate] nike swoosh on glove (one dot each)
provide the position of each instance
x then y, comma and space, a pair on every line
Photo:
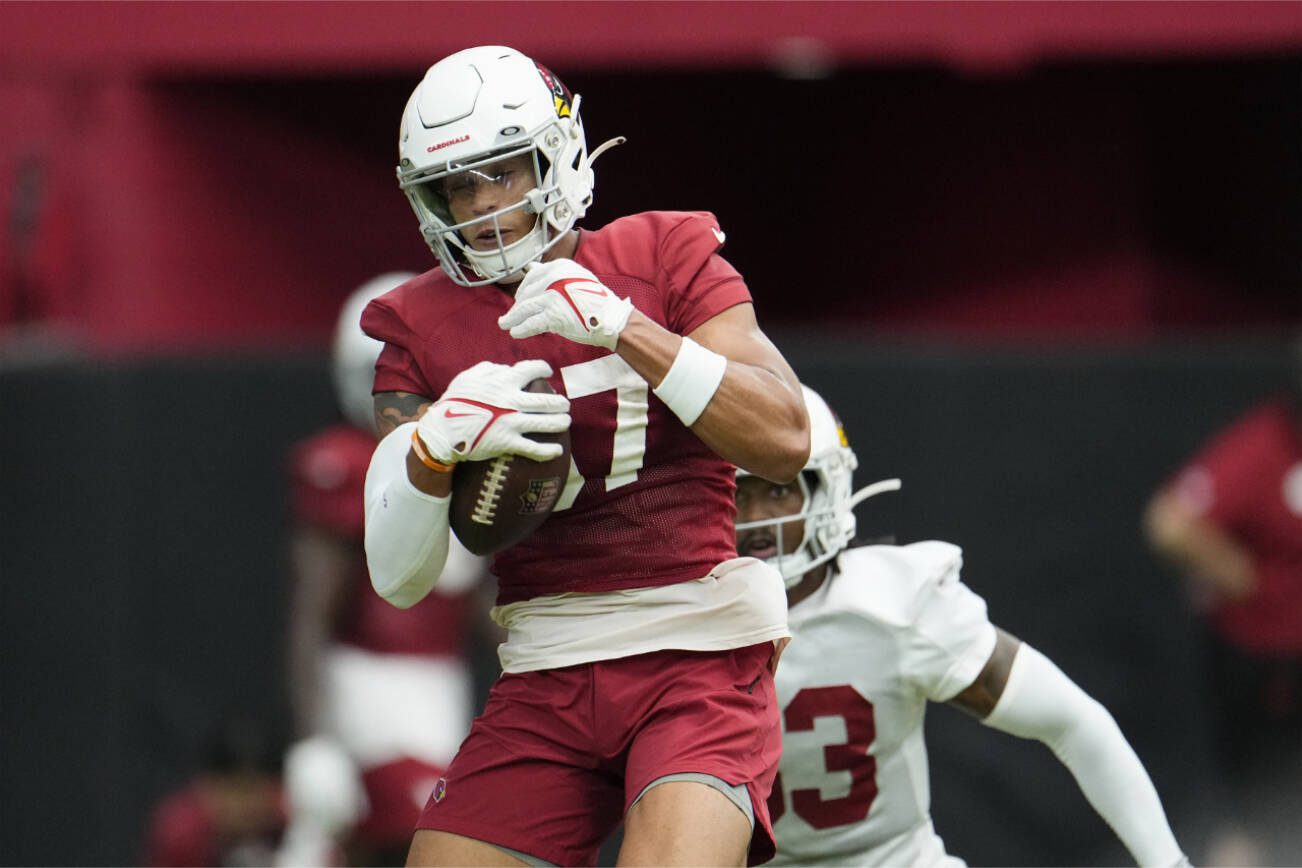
564, 298
486, 412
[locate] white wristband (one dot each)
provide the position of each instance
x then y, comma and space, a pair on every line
692, 380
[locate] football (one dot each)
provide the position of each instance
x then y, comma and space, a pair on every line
500, 501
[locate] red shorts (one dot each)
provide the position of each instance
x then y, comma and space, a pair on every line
396, 791
558, 756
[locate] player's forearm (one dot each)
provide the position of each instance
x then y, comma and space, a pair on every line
406, 528
1041, 702
322, 565
757, 423
1199, 546
746, 412
305, 644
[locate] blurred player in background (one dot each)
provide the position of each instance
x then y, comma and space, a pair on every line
230, 812
877, 632
638, 664
381, 697
1231, 520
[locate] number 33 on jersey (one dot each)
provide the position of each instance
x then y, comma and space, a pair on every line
895, 629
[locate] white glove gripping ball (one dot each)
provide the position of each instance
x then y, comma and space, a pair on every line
564, 298
486, 412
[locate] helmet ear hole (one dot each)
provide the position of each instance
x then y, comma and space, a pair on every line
811, 480
544, 167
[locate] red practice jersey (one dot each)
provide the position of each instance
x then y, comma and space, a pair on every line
328, 472
1248, 480
647, 503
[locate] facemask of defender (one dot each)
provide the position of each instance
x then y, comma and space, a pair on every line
827, 530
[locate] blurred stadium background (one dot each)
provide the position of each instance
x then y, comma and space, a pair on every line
1034, 254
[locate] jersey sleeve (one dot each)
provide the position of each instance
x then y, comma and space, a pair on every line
950, 637
1222, 482
326, 487
396, 369
701, 282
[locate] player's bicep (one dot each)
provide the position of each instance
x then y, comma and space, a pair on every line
981, 696
735, 333
394, 408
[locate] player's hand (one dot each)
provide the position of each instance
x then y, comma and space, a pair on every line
323, 788
486, 412
564, 298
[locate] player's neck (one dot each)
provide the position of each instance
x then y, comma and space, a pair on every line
810, 582
565, 248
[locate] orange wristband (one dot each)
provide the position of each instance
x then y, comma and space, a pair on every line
428, 460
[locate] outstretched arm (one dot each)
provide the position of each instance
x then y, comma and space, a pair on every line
1023, 693
1187, 539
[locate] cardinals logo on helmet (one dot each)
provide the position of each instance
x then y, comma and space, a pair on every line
560, 93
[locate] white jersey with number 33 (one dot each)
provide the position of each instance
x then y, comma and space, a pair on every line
894, 628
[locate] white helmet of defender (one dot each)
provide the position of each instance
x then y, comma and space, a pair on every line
829, 501
354, 352
477, 107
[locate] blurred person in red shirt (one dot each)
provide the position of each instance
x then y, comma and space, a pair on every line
1231, 520
381, 696
229, 813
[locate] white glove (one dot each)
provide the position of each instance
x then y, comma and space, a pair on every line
564, 298
486, 412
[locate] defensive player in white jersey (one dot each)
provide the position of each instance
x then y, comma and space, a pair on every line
878, 631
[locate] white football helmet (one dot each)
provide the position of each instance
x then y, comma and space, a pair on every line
354, 352
829, 497
477, 107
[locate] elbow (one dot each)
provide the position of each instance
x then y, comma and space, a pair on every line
1089, 729
793, 461
1155, 525
401, 584
399, 598
1165, 526
402, 592
787, 455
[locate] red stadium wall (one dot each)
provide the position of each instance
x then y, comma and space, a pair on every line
171, 214
286, 37
220, 174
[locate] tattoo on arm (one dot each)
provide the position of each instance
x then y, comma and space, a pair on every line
394, 408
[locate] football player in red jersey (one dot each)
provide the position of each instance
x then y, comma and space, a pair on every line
382, 697
229, 812
638, 665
